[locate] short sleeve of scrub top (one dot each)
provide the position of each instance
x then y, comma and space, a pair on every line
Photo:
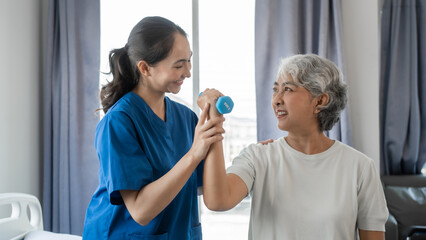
124, 164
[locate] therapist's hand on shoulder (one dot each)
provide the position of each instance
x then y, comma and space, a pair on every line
207, 132
266, 141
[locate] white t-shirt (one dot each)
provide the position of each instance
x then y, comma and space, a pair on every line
321, 196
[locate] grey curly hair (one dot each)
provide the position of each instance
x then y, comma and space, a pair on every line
319, 76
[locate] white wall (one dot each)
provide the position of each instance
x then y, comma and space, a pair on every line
361, 48
20, 98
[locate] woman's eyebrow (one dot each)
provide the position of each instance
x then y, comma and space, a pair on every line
286, 83
183, 59
290, 83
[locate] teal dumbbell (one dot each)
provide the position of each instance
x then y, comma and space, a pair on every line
224, 104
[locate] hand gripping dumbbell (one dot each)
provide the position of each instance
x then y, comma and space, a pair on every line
223, 104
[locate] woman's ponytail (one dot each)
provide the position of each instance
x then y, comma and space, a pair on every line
124, 79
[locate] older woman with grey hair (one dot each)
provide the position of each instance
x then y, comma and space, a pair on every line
304, 185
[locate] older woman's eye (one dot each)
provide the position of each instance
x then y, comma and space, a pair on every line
286, 89
274, 90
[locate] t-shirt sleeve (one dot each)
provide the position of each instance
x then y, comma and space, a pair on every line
372, 209
243, 166
122, 159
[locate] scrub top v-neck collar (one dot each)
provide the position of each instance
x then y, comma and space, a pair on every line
154, 118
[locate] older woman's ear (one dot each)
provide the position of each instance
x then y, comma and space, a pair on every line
322, 101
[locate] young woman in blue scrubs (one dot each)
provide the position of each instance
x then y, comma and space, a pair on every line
149, 146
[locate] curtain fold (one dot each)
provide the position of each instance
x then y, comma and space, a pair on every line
402, 80
288, 27
70, 98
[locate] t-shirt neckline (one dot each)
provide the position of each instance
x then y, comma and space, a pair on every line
320, 155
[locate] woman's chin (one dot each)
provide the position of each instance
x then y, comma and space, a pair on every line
282, 127
174, 90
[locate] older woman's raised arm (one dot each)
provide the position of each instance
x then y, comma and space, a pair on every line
221, 191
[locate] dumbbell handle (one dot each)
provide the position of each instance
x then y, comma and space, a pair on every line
223, 104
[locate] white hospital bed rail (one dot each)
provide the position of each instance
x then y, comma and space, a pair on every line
25, 220
25, 217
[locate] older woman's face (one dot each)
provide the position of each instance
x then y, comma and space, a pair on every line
294, 106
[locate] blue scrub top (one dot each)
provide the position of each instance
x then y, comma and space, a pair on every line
135, 147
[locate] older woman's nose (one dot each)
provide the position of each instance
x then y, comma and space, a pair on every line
277, 98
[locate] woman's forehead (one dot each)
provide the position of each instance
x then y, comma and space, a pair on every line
181, 47
285, 79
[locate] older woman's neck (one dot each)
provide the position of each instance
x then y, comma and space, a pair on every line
309, 144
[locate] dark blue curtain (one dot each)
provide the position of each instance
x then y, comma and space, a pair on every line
70, 98
403, 87
288, 27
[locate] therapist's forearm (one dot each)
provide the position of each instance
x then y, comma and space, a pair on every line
156, 196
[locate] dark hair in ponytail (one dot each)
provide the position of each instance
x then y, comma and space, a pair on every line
150, 40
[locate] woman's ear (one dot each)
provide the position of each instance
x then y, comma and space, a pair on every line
321, 101
143, 68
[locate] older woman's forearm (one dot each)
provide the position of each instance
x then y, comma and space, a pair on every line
215, 185
222, 191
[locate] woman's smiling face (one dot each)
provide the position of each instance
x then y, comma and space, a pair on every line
168, 75
293, 105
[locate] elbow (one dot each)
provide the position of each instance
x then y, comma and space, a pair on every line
141, 218
215, 205
211, 206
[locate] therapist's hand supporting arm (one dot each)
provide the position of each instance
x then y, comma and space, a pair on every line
221, 191
145, 204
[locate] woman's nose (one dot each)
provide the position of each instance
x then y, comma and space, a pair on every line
277, 99
187, 72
